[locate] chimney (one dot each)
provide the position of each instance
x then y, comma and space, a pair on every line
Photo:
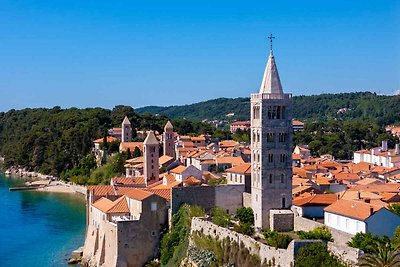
371, 210
359, 194
384, 146
397, 149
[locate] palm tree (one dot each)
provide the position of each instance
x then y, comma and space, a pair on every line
384, 256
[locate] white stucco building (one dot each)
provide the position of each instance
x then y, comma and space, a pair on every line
356, 216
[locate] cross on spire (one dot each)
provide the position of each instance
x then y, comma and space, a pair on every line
270, 37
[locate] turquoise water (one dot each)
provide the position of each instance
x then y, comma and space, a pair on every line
38, 228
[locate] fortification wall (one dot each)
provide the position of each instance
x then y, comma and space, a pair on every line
345, 253
228, 197
303, 224
283, 257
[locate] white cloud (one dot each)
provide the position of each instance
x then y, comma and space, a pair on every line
396, 92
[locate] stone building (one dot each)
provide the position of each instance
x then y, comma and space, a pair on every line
168, 140
123, 226
151, 157
126, 133
271, 145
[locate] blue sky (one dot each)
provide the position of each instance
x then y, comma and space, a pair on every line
105, 53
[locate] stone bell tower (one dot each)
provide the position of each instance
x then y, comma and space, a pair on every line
151, 157
271, 147
126, 133
168, 140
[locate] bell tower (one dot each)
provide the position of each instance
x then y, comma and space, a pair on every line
151, 157
168, 140
271, 147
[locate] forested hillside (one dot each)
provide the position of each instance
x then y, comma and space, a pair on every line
54, 140
363, 105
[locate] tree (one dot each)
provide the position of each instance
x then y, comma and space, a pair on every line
395, 208
220, 217
245, 215
136, 152
316, 255
275, 239
366, 241
384, 255
321, 233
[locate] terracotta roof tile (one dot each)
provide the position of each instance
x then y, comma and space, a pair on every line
355, 209
109, 139
164, 193
134, 193
120, 205
244, 168
179, 169
315, 200
191, 181
101, 190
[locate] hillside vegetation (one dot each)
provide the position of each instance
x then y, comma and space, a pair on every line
380, 109
55, 140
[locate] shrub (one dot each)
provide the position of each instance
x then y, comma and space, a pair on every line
395, 208
245, 215
275, 239
220, 217
244, 228
367, 241
316, 255
321, 233
174, 244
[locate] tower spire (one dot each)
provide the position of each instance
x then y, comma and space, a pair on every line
271, 84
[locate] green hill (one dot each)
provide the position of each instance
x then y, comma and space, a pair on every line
359, 105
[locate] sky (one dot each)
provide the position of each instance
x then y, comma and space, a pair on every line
139, 53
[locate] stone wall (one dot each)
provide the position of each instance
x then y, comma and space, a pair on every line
283, 257
281, 220
228, 197
345, 253
303, 224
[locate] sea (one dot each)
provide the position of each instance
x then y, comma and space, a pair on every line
38, 228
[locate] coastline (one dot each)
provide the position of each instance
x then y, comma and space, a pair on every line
46, 183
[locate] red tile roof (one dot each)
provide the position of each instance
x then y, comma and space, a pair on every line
244, 168
315, 200
354, 209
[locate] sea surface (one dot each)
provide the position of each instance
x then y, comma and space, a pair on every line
38, 228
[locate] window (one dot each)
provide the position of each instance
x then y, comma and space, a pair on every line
278, 112
282, 137
270, 158
270, 137
270, 178
282, 158
153, 206
256, 197
282, 178
270, 112
256, 112
283, 112
283, 202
